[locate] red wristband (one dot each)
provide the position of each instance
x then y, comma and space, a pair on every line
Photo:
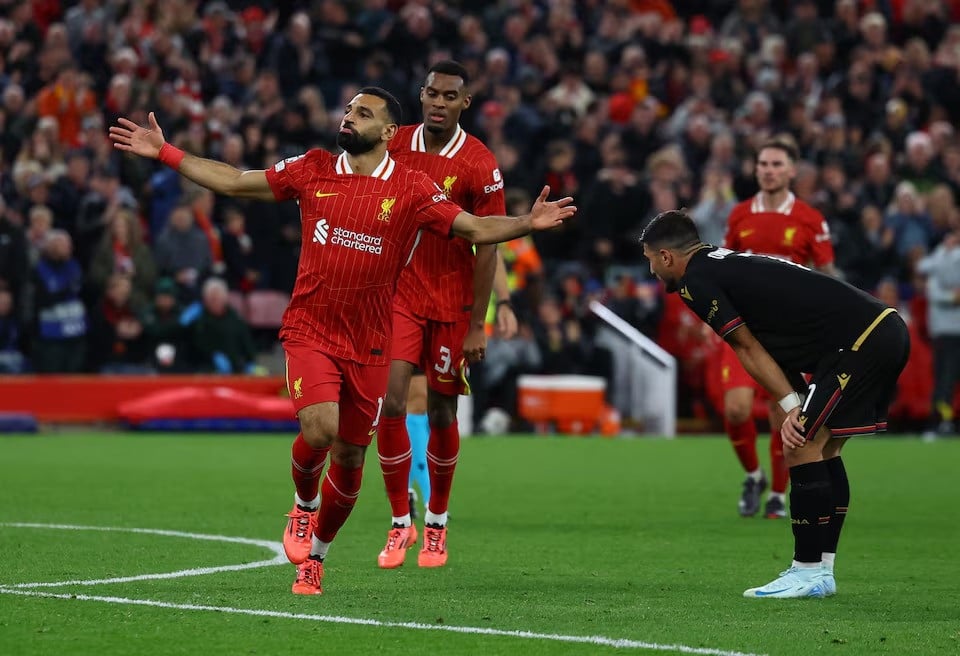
171, 156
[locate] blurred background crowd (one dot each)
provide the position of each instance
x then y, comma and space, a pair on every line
115, 264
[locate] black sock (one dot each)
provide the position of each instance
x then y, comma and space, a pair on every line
811, 505
841, 499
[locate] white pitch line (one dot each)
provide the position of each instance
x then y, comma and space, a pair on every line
617, 643
278, 559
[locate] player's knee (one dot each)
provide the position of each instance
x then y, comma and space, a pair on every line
442, 414
737, 412
394, 405
318, 430
349, 456
794, 457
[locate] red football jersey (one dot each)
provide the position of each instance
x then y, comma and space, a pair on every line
793, 231
438, 283
358, 233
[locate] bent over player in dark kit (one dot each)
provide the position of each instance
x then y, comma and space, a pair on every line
783, 319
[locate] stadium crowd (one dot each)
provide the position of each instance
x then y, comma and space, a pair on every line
116, 264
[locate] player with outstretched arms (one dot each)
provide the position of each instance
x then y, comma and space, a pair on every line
361, 212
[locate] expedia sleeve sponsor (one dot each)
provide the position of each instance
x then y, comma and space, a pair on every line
358, 241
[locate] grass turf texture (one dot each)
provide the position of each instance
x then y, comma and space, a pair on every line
632, 539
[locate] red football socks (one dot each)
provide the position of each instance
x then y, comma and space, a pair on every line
306, 466
779, 472
339, 493
442, 452
744, 439
393, 447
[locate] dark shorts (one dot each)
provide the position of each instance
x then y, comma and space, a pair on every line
851, 390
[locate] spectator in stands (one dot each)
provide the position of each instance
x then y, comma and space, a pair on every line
714, 205
165, 332
912, 227
506, 360
58, 315
836, 200
98, 207
122, 251
69, 189
14, 264
238, 252
118, 342
12, 360
879, 185
920, 165
942, 268
297, 57
744, 69
68, 99
183, 253
611, 205
865, 251
39, 224
219, 340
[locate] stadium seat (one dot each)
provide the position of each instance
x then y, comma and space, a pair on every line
238, 302
265, 308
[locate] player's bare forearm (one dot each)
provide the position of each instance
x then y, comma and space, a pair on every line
484, 268
501, 286
491, 229
148, 141
759, 363
225, 179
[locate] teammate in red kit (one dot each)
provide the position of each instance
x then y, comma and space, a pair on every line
439, 311
361, 214
774, 222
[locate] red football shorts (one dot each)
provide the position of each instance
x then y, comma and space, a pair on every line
315, 377
733, 375
434, 346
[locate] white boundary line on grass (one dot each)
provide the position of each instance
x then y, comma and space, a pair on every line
278, 559
19, 589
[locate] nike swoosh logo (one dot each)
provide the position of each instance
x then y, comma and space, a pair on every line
444, 380
372, 433
746, 233
321, 194
760, 593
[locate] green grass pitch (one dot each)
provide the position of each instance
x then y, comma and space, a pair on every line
557, 546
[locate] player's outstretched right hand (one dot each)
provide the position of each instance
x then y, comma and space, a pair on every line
131, 138
550, 214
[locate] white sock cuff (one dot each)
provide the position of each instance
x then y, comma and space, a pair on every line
312, 505
318, 548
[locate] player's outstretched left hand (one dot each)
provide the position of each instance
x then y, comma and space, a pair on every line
549, 214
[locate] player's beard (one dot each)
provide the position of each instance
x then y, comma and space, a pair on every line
355, 143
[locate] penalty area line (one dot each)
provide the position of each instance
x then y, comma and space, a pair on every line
617, 643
